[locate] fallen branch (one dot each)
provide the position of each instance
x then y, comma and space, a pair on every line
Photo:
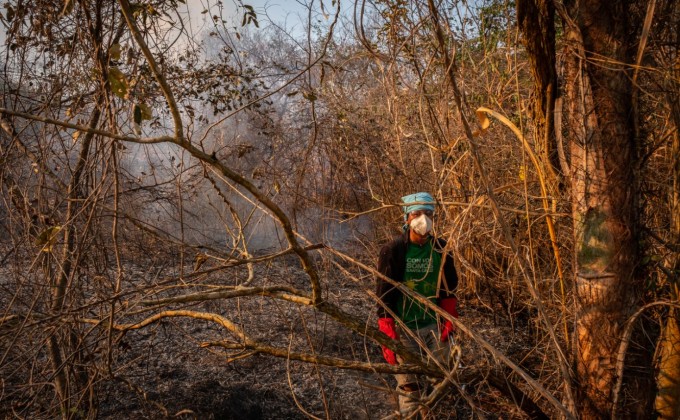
335, 362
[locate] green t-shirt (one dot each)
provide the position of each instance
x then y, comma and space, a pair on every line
422, 270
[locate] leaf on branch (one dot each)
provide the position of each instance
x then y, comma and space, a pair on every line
137, 10
48, 238
75, 135
147, 113
114, 52
484, 122
118, 82
137, 114
249, 16
140, 112
310, 96
10, 12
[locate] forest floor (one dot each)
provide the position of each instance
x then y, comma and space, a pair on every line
162, 371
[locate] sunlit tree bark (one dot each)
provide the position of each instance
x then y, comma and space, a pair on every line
599, 126
667, 402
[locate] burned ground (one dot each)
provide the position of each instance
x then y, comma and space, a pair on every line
163, 370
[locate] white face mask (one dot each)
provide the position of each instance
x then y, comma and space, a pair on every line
422, 225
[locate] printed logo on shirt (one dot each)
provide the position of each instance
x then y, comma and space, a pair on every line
419, 265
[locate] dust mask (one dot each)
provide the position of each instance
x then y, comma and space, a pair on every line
422, 225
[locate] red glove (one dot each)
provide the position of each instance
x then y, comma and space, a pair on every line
449, 305
386, 326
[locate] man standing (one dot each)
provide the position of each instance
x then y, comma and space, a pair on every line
417, 260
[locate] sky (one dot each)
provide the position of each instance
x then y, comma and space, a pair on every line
290, 14
287, 13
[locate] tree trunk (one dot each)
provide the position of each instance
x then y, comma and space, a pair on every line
668, 379
59, 347
537, 23
667, 401
598, 96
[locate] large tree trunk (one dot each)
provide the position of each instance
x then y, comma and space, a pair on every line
598, 96
668, 379
667, 401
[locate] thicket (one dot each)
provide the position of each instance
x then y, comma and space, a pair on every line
153, 171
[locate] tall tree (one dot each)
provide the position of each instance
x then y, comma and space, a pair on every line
667, 402
598, 95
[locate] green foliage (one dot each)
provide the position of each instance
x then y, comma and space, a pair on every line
47, 238
118, 82
497, 20
114, 52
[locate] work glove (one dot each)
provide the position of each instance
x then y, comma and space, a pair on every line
450, 305
386, 326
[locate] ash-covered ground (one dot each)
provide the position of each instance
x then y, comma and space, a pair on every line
166, 369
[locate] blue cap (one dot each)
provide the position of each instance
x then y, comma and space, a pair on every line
424, 200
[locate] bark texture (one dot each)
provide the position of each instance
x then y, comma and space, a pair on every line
668, 380
667, 402
537, 23
598, 95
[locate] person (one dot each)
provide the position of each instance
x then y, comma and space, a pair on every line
418, 260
